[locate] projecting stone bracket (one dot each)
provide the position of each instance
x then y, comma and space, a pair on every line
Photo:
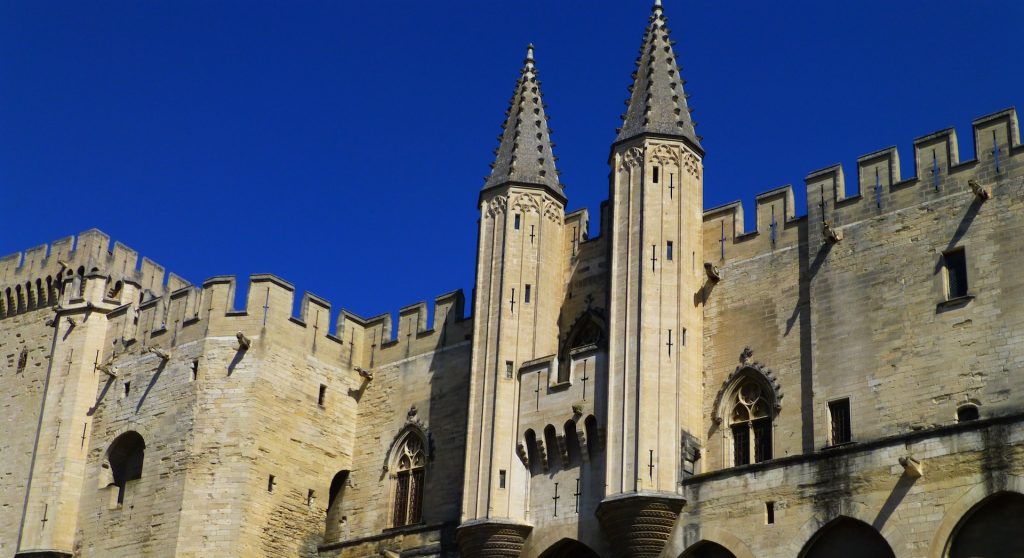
491, 538
638, 524
524, 455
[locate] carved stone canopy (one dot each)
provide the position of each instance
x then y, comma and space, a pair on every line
748, 368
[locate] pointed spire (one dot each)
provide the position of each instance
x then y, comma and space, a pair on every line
524, 150
657, 103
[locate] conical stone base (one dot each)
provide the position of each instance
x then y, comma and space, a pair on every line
488, 538
638, 524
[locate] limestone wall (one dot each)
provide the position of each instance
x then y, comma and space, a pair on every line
916, 516
22, 390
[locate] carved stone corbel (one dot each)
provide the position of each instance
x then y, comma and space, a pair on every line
563, 449
523, 454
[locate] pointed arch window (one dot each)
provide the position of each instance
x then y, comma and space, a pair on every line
750, 423
410, 462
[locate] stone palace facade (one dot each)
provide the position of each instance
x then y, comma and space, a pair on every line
836, 383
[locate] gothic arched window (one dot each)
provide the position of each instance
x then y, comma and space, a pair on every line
750, 422
585, 332
409, 462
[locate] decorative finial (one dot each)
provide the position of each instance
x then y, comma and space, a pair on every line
529, 53
657, 6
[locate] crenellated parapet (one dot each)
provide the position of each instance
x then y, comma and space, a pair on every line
40, 276
937, 172
776, 227
414, 334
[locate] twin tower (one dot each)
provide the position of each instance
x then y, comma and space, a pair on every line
585, 395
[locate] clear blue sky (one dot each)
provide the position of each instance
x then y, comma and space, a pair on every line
341, 145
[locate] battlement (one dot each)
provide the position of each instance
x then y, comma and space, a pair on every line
775, 219
938, 172
416, 333
36, 277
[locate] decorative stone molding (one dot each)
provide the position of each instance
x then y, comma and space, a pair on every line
542, 453
523, 453
490, 538
563, 449
553, 211
526, 202
639, 524
691, 165
748, 366
581, 436
665, 155
497, 205
631, 158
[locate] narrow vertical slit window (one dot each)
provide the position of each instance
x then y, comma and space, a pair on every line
769, 512
501, 478
839, 422
195, 369
668, 250
508, 369
654, 175
310, 497
270, 483
526, 294
127, 388
955, 264
515, 222
322, 397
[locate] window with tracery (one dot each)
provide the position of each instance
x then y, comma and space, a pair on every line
751, 423
409, 465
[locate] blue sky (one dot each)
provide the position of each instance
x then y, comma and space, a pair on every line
341, 145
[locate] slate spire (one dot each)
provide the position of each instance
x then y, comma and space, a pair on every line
657, 103
524, 152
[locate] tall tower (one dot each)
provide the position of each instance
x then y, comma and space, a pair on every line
655, 353
519, 286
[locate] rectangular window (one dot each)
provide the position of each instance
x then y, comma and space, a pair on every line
741, 444
323, 395
762, 439
839, 422
508, 369
516, 222
195, 369
654, 175
526, 295
682, 340
270, 483
668, 251
769, 512
501, 478
955, 263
